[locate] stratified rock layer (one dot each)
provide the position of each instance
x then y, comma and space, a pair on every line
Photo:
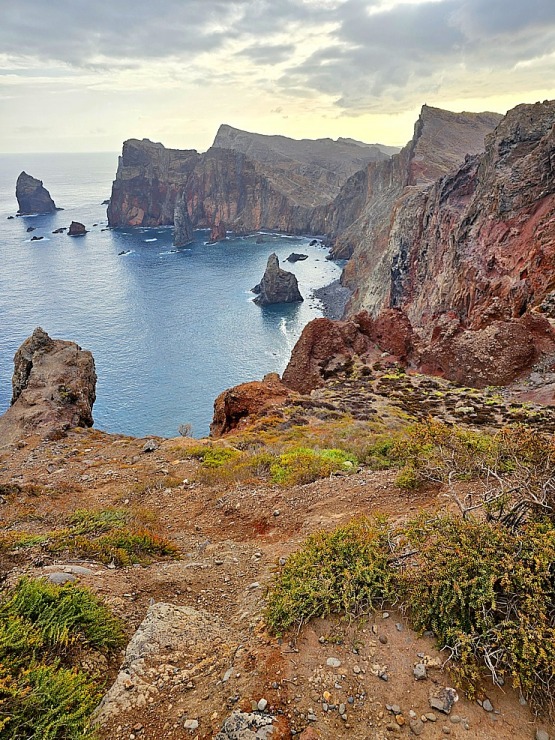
32, 196
277, 285
53, 385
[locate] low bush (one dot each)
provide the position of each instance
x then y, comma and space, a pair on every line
43, 630
485, 590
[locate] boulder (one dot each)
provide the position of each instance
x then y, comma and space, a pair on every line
76, 229
217, 233
53, 385
277, 285
296, 257
32, 196
234, 405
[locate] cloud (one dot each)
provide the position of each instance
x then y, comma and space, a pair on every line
403, 52
268, 54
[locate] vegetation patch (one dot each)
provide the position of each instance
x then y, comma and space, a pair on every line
43, 631
486, 590
117, 536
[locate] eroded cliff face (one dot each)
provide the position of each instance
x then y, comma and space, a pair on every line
249, 181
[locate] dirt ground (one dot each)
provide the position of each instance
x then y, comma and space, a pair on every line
230, 540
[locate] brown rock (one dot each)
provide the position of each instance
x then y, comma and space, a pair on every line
32, 196
76, 229
234, 405
324, 348
310, 734
53, 388
277, 285
217, 233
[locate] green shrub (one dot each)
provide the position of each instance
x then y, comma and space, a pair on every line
344, 571
304, 465
43, 630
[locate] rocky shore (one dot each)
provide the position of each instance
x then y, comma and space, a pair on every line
334, 298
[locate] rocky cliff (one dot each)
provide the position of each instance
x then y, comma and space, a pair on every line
359, 218
54, 384
32, 196
468, 260
248, 181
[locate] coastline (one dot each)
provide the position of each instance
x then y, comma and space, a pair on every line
333, 298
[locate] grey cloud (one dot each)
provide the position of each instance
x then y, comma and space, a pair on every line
268, 54
418, 48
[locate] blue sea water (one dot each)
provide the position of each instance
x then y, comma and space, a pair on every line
169, 328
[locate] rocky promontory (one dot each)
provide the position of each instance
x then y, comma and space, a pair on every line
32, 196
53, 384
277, 285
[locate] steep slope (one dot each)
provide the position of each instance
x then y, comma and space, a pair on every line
360, 216
310, 171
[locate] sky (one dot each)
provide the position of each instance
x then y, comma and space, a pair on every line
82, 75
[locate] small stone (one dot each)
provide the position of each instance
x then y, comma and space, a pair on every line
262, 704
385, 615
276, 512
487, 706
59, 578
412, 714
356, 670
191, 724
455, 719
431, 717
218, 561
254, 585
383, 639
150, 445
282, 561
324, 706
327, 696
541, 735
443, 699
333, 662
400, 720
342, 709
393, 708
419, 672
416, 726
446, 730
399, 627
312, 717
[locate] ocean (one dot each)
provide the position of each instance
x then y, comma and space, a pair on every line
169, 328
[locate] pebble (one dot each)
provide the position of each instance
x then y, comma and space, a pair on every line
393, 708
400, 720
446, 730
324, 706
351, 700
356, 669
191, 724
431, 717
277, 512
227, 675
416, 726
383, 639
399, 627
541, 735
254, 585
385, 615
455, 719
262, 704
282, 561
333, 662
312, 717
487, 706
419, 672
327, 696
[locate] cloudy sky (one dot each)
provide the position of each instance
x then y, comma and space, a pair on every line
77, 75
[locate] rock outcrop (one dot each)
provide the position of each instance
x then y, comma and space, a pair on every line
53, 384
244, 401
218, 233
277, 285
183, 232
76, 228
32, 196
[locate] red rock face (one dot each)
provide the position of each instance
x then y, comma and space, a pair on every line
53, 388
236, 404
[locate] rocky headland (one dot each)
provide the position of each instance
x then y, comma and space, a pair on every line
277, 285
32, 196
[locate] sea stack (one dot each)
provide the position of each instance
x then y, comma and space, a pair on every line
217, 233
32, 196
277, 285
76, 229
182, 225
